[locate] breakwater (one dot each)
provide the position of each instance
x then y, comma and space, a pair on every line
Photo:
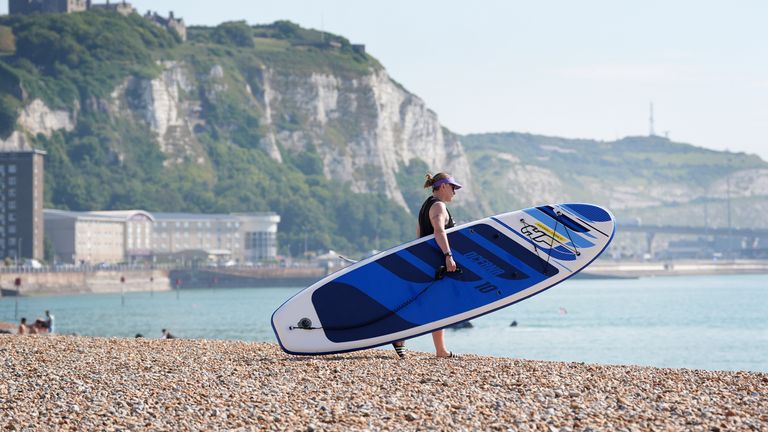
102, 281
246, 277
142, 279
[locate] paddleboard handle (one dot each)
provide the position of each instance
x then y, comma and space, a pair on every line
440, 273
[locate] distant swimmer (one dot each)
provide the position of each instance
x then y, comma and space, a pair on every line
513, 323
563, 311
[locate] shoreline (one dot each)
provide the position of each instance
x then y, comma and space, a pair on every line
632, 270
138, 280
64, 382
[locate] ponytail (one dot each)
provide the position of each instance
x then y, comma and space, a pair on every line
431, 179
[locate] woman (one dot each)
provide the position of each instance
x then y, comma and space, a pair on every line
434, 218
23, 329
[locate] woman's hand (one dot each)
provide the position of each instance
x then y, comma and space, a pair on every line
450, 264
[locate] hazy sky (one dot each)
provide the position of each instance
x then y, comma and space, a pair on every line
577, 69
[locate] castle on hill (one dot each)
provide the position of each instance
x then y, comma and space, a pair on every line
27, 7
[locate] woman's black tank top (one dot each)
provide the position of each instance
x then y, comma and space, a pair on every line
425, 225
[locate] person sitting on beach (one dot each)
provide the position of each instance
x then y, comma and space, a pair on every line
167, 335
38, 327
23, 327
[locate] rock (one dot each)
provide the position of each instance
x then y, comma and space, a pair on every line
411, 417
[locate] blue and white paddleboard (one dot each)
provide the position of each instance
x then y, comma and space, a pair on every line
401, 293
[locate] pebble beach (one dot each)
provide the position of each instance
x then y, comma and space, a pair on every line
84, 383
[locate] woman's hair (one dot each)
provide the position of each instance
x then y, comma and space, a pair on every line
431, 179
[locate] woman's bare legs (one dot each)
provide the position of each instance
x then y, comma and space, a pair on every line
438, 339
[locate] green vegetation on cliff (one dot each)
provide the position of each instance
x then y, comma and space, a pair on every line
632, 168
76, 61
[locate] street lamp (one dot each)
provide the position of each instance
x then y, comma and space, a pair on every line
728, 199
122, 290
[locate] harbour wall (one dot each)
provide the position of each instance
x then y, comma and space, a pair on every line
142, 280
62, 283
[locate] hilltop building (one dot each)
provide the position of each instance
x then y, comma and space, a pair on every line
170, 23
136, 235
123, 8
21, 204
26, 7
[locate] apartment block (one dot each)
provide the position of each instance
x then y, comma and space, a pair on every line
21, 204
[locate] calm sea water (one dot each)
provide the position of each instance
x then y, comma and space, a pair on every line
703, 322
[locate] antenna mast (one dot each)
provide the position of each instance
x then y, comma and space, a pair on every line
652, 132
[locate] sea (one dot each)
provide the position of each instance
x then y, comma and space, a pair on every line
696, 322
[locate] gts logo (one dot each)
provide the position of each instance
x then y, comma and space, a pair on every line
487, 266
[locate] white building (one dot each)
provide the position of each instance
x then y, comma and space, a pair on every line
94, 237
243, 237
128, 235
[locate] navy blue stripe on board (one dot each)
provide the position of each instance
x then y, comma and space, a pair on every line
429, 253
403, 269
516, 249
342, 323
484, 260
563, 219
591, 212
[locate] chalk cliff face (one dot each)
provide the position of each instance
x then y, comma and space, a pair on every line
37, 118
162, 106
365, 128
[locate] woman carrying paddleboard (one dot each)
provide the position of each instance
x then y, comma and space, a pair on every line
434, 218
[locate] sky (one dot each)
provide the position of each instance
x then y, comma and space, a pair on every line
574, 69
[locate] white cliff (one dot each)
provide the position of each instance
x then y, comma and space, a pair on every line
172, 117
37, 118
365, 128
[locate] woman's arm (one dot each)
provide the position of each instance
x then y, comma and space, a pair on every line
438, 215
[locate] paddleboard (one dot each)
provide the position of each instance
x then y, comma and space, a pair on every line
405, 292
